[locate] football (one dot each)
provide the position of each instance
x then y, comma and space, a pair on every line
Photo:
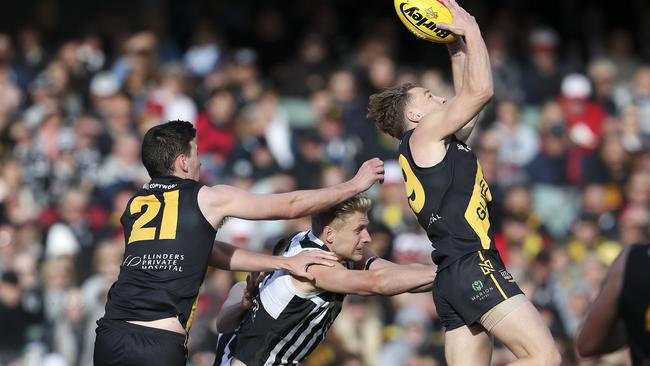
421, 16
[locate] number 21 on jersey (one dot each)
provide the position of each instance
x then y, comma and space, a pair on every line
169, 219
414, 189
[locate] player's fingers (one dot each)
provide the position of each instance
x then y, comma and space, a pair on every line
309, 276
326, 255
326, 262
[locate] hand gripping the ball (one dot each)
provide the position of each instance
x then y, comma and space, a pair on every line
463, 22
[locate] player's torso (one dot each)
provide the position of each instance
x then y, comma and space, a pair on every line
635, 301
451, 201
168, 243
285, 324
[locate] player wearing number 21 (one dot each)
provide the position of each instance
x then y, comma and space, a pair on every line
475, 296
170, 226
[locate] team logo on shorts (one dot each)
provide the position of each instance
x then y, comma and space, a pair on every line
506, 275
477, 285
486, 267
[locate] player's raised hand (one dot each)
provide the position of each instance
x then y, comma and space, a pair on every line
298, 264
371, 171
463, 21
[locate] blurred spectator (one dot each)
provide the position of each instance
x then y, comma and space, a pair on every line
518, 142
359, 323
15, 319
541, 76
505, 70
414, 332
216, 132
584, 118
603, 73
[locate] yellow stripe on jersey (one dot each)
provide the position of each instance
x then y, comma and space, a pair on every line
477, 214
188, 325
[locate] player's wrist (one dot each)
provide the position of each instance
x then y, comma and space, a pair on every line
456, 48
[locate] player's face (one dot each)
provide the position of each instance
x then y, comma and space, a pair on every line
193, 161
352, 237
422, 102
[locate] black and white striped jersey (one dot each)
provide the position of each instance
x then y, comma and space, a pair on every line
225, 346
285, 325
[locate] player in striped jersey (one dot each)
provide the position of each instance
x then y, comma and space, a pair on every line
238, 302
291, 316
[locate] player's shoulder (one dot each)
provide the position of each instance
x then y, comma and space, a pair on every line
303, 241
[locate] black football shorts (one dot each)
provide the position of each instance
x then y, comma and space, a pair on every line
469, 287
122, 343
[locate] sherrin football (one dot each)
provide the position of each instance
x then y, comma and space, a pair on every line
421, 16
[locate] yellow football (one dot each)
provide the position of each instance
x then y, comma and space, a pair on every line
421, 16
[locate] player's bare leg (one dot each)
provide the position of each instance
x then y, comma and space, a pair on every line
471, 346
524, 332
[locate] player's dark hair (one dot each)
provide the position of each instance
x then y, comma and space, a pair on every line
334, 213
386, 109
163, 143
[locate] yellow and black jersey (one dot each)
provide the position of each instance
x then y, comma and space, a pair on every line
168, 244
450, 199
634, 305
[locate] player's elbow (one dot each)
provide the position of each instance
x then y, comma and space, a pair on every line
485, 94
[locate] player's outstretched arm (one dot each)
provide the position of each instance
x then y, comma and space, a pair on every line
601, 331
239, 301
222, 201
232, 258
476, 88
458, 55
388, 280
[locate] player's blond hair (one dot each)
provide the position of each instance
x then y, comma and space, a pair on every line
336, 215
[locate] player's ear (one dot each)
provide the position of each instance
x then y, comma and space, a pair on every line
184, 164
413, 116
329, 234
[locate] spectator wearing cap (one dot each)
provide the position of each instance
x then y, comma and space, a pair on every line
506, 72
243, 74
584, 118
541, 76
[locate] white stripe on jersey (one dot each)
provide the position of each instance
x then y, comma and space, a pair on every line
227, 354
284, 341
299, 343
